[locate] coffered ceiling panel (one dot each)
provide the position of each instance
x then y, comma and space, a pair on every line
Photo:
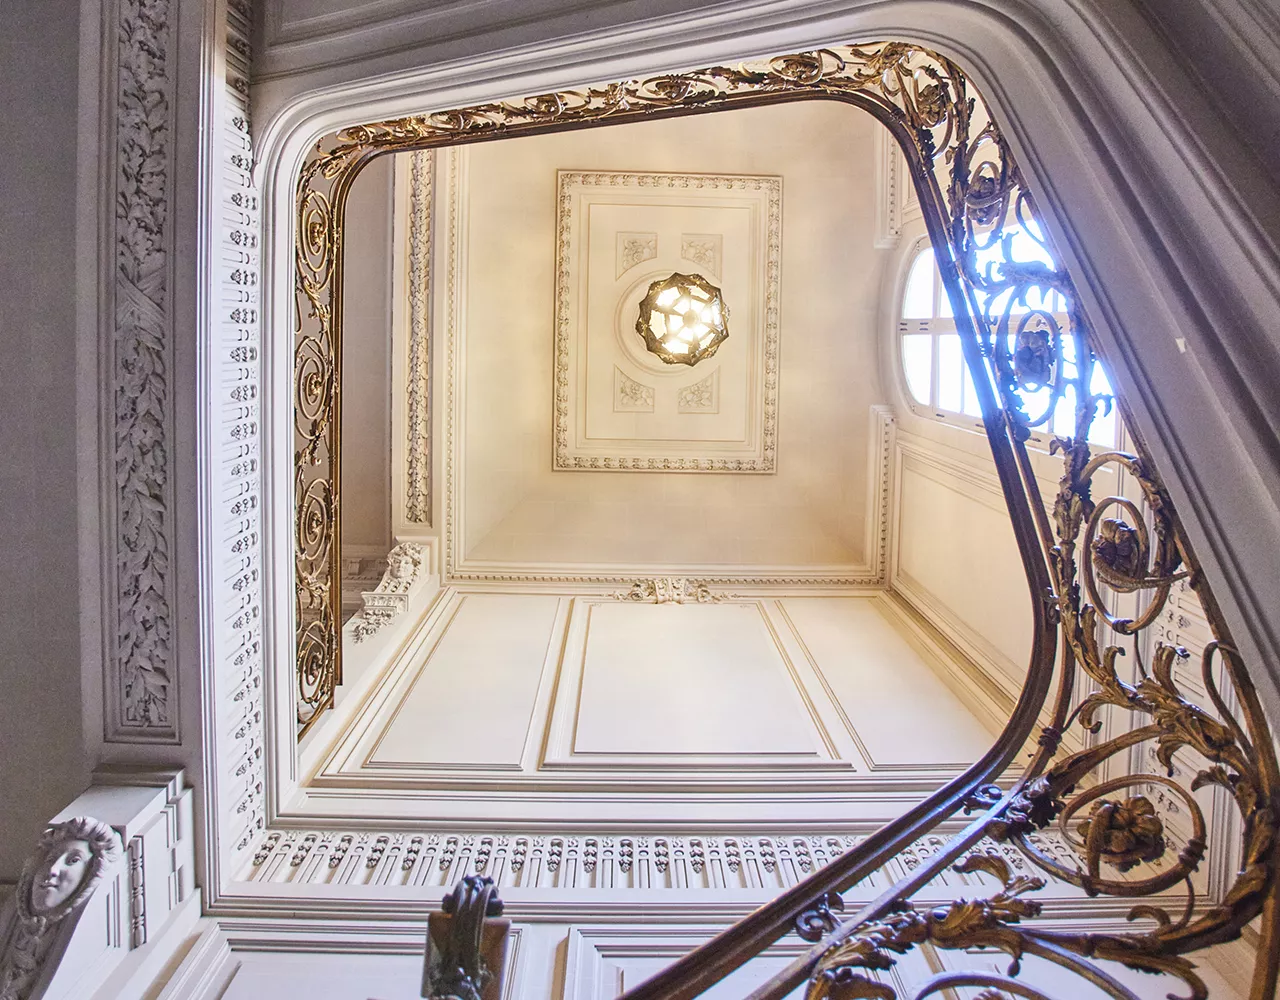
618, 406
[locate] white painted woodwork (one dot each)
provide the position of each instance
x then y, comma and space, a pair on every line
1216, 257
143, 907
955, 556
539, 707
561, 958
326, 977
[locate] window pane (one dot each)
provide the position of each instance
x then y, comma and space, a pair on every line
1034, 403
944, 300
917, 364
971, 405
1103, 429
950, 373
1064, 414
917, 303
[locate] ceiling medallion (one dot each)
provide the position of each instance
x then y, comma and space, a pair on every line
683, 319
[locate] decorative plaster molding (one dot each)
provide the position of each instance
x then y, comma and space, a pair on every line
453, 307
896, 201
417, 485
635, 248
141, 692
595, 861
389, 599
703, 249
764, 457
235, 465
57, 882
880, 486
671, 590
631, 396
701, 397
544, 860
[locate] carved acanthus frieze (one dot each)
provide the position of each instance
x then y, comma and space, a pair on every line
671, 590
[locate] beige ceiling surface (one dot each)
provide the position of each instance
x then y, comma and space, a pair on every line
808, 426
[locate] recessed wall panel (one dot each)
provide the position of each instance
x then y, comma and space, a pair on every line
686, 679
473, 701
898, 707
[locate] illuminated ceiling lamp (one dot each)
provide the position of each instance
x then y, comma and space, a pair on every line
683, 319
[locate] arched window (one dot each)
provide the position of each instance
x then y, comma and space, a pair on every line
933, 366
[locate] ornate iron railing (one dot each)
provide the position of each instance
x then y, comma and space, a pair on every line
1101, 574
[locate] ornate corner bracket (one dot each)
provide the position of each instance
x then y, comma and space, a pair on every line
389, 599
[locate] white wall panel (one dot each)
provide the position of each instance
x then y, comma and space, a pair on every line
598, 708
687, 679
889, 691
956, 560
472, 702
326, 977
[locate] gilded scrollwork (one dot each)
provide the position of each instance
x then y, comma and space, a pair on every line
1102, 570
1113, 563
842, 973
904, 85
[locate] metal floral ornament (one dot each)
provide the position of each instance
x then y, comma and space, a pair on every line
683, 319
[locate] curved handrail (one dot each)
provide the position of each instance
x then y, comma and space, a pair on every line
973, 197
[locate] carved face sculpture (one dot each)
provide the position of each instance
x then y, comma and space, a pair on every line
66, 865
62, 876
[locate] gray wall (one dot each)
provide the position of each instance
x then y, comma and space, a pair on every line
42, 760
366, 361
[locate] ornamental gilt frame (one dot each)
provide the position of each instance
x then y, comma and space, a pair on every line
971, 192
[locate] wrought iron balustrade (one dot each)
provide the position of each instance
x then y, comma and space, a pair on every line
1141, 783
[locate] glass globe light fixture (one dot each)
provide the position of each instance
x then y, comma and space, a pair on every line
683, 319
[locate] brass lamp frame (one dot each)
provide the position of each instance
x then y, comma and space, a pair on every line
971, 191
655, 344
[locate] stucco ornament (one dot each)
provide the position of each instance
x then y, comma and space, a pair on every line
392, 595
57, 880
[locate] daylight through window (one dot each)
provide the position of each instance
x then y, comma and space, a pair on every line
933, 365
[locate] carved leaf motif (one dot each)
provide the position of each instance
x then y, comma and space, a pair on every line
142, 366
